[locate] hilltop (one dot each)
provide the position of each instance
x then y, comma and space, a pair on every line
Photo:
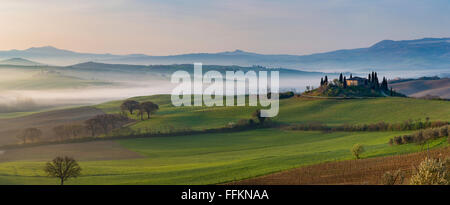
353, 87
425, 87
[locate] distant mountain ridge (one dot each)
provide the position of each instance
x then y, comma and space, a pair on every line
169, 69
19, 62
426, 53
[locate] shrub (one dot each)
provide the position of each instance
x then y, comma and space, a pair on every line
443, 131
420, 137
396, 177
398, 140
432, 172
407, 139
285, 95
242, 122
257, 115
231, 125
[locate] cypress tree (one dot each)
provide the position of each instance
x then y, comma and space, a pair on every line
345, 82
321, 81
326, 80
384, 84
377, 83
340, 78
351, 76
370, 79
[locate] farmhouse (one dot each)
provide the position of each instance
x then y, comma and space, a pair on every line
355, 81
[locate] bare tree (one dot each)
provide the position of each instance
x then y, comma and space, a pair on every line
149, 108
63, 168
129, 105
76, 130
393, 178
31, 134
105, 123
69, 131
91, 125
59, 132
117, 120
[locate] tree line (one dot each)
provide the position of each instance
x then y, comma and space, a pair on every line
94, 126
422, 136
380, 126
142, 108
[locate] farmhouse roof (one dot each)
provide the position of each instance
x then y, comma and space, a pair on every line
356, 78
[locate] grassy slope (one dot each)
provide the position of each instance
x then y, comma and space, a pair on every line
216, 158
358, 111
207, 159
294, 110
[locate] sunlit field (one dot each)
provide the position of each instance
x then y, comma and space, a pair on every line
226, 157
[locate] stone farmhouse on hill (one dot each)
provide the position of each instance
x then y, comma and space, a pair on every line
355, 81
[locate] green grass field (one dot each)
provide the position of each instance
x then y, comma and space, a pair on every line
293, 110
220, 158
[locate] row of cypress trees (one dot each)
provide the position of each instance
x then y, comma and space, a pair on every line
372, 81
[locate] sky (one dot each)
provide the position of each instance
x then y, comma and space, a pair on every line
169, 27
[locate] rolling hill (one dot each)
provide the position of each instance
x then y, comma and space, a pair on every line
331, 112
293, 110
11, 127
222, 157
434, 87
167, 70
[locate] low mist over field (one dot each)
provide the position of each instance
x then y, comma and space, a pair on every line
41, 82
30, 88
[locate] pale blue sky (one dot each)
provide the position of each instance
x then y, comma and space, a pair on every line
162, 27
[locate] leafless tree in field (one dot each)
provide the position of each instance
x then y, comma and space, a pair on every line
63, 168
91, 125
31, 134
105, 123
69, 131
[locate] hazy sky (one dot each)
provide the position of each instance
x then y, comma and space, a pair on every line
162, 27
